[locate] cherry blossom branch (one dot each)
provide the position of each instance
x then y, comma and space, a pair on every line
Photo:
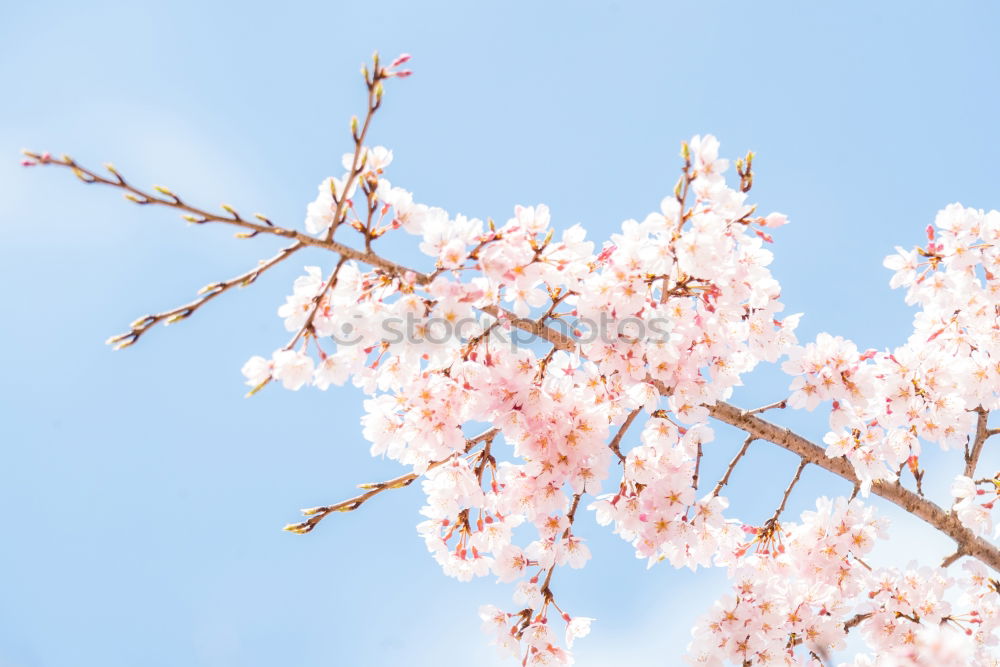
314, 308
751, 424
849, 625
930, 512
570, 516
759, 428
199, 215
485, 457
680, 194
374, 85
317, 514
208, 292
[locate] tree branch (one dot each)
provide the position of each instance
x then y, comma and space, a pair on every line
944, 521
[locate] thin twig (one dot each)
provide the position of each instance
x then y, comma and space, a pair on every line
697, 468
982, 433
209, 292
570, 516
732, 465
357, 165
788, 491
783, 403
199, 215
316, 301
317, 514
615, 444
952, 558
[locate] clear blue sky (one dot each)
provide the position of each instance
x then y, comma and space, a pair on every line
141, 495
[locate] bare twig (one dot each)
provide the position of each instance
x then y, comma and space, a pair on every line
317, 514
788, 491
764, 408
697, 468
616, 442
209, 292
952, 558
732, 465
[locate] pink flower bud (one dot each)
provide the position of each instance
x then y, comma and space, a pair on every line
775, 220
403, 57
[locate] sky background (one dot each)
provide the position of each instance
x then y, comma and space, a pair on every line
142, 496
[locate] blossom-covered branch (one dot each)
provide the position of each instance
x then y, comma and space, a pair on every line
599, 372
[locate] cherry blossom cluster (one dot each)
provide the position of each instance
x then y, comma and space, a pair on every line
690, 306
803, 586
793, 590
974, 501
884, 403
656, 507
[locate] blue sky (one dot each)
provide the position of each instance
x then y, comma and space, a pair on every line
143, 496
